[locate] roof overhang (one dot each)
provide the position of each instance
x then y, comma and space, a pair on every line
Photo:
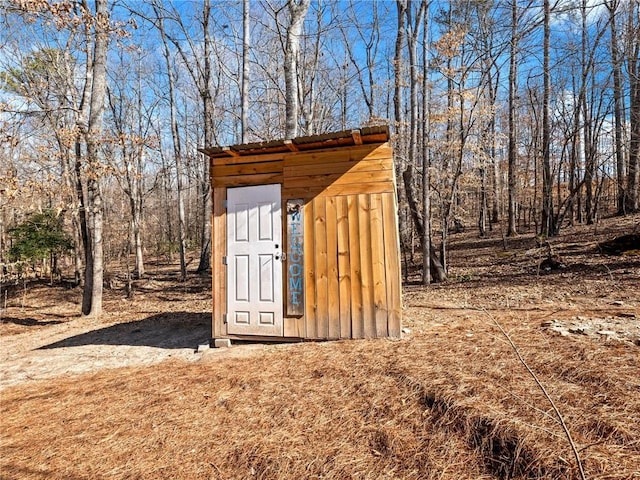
345, 138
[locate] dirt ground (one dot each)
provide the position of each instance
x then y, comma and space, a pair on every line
594, 295
577, 324
42, 336
587, 293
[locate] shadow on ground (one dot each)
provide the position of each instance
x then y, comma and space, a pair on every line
29, 322
173, 330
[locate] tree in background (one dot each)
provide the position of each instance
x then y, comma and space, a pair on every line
40, 239
132, 134
548, 223
97, 36
613, 8
175, 138
356, 33
43, 79
633, 67
246, 69
297, 12
84, 129
513, 121
356, 64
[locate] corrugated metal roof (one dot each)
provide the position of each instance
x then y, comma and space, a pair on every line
377, 134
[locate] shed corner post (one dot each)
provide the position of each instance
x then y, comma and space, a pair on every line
218, 269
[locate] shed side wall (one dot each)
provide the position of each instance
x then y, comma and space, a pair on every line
351, 248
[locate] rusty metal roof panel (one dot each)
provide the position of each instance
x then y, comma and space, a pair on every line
375, 134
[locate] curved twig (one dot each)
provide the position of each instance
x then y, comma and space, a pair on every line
546, 394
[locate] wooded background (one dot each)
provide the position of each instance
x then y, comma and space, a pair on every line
512, 115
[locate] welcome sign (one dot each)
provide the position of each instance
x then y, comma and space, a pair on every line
295, 258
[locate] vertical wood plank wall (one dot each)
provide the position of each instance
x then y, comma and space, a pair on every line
351, 249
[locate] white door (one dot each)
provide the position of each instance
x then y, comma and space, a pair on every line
254, 268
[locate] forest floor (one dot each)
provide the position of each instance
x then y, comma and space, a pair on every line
459, 397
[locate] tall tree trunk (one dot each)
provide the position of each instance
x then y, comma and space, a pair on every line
372, 49
399, 147
483, 205
612, 6
513, 132
136, 224
83, 205
447, 197
138, 188
84, 230
246, 45
574, 159
590, 151
412, 46
492, 162
177, 150
308, 79
208, 111
495, 187
72, 199
633, 197
426, 156
401, 7
547, 227
94, 132
297, 11
489, 153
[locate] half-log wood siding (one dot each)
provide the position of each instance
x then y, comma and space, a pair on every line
351, 254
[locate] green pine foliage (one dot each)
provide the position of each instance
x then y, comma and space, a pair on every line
39, 237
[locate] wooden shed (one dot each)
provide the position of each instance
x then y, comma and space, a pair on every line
305, 238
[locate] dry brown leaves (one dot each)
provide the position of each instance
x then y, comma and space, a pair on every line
449, 401
439, 406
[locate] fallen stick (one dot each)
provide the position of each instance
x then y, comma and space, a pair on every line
544, 391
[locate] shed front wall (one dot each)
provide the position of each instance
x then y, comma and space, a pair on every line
351, 250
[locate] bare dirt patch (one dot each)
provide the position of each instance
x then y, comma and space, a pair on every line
451, 400
42, 336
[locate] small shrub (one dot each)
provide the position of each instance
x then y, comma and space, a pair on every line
40, 238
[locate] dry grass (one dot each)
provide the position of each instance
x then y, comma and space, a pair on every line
432, 407
450, 401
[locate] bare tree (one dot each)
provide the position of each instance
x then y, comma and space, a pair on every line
426, 155
207, 114
177, 149
309, 76
633, 65
197, 61
414, 25
369, 36
484, 41
399, 120
401, 9
131, 117
457, 61
97, 76
297, 13
612, 6
547, 223
246, 46
513, 130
